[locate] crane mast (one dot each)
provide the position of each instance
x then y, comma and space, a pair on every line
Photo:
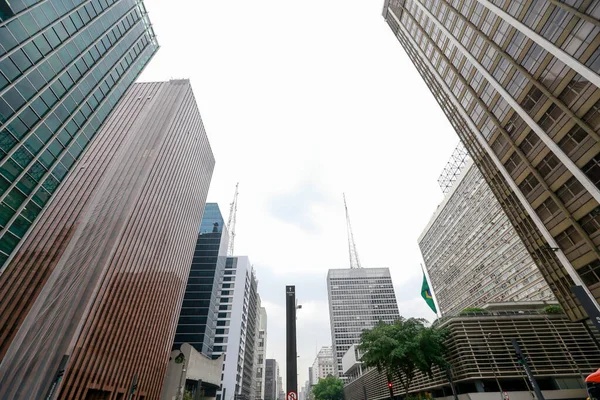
354, 261
231, 221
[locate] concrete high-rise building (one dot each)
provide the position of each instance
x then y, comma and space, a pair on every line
323, 365
63, 68
473, 255
236, 328
116, 244
519, 83
358, 299
198, 316
271, 379
261, 352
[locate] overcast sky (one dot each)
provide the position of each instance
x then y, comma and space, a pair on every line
303, 101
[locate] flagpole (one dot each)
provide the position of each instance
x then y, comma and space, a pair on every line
432, 293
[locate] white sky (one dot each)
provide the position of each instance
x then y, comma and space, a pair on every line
303, 101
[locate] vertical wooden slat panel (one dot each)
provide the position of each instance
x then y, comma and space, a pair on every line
112, 300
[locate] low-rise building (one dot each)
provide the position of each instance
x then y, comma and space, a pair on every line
484, 364
193, 373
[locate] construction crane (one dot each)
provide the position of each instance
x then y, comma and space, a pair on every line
231, 221
354, 261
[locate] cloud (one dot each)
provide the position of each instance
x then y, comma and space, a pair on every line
298, 206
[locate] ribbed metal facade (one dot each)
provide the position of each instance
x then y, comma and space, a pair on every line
519, 82
480, 349
114, 248
64, 65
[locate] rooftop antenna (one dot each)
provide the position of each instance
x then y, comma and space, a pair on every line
231, 221
354, 261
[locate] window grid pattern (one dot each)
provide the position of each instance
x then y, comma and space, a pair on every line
358, 299
473, 254
546, 260
63, 67
559, 101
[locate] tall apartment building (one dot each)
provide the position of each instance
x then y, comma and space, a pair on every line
64, 65
261, 353
472, 253
236, 328
198, 316
271, 373
116, 243
323, 365
358, 299
519, 83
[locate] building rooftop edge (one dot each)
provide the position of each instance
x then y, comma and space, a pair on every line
468, 165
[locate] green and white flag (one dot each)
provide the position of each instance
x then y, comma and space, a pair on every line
426, 293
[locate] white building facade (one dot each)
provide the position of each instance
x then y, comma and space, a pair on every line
323, 364
236, 328
473, 254
260, 359
358, 299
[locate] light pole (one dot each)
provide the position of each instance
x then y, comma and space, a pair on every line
495, 365
180, 359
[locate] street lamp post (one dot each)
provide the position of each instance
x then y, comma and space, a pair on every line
180, 359
495, 364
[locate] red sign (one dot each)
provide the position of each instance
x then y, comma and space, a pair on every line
292, 396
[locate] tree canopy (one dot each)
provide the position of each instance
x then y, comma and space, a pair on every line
330, 388
403, 348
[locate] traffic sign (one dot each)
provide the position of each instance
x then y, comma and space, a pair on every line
505, 395
292, 396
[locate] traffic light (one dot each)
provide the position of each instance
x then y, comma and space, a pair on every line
390, 385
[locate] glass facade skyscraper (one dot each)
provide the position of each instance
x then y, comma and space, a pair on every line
519, 82
64, 65
198, 317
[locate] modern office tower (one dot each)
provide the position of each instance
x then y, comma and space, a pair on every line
472, 253
64, 65
323, 365
358, 299
198, 316
236, 328
116, 244
261, 352
519, 82
271, 379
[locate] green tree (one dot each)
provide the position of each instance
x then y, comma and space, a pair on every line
330, 388
552, 309
404, 348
